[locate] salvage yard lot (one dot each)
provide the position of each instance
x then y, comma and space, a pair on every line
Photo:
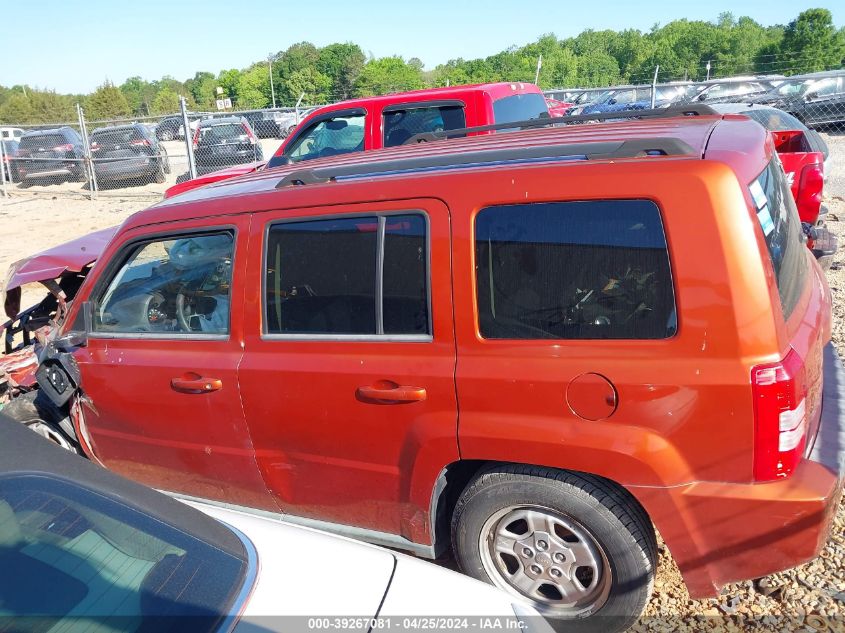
33, 221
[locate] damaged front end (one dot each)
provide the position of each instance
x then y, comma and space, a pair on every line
59, 271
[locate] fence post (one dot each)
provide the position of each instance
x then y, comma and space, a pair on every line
654, 87
296, 108
189, 141
86, 151
3, 170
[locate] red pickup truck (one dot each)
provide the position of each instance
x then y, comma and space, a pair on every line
390, 120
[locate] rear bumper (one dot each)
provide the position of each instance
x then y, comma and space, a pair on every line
724, 532
123, 169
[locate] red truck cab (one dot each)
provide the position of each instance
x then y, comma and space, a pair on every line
390, 120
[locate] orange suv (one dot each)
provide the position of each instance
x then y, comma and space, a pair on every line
531, 349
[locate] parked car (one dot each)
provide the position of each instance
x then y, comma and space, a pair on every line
515, 346
10, 133
815, 101
729, 90
264, 124
390, 120
558, 108
628, 99
172, 127
10, 148
54, 155
83, 546
225, 141
128, 152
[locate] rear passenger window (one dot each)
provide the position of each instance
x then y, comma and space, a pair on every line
781, 227
364, 276
574, 270
401, 124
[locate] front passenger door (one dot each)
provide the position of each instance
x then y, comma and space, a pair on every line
159, 373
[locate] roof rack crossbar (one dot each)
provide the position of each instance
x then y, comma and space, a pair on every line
693, 109
603, 150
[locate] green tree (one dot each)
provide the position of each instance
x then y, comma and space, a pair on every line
202, 88
386, 75
139, 95
342, 64
252, 89
16, 109
316, 86
165, 102
106, 102
811, 42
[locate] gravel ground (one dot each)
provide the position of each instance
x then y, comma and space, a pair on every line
809, 598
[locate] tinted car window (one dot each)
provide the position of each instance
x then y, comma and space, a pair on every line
119, 136
520, 107
45, 140
81, 561
781, 227
774, 120
574, 270
405, 275
400, 125
340, 135
308, 291
177, 285
210, 134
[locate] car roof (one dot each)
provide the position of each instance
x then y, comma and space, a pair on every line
111, 128
694, 131
222, 120
24, 452
496, 90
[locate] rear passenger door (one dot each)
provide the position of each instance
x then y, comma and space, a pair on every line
348, 377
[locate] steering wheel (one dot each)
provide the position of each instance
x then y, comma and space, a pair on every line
183, 319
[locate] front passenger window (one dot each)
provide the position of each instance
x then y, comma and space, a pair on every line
329, 137
177, 285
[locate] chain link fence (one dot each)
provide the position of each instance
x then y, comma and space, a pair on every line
146, 155
139, 157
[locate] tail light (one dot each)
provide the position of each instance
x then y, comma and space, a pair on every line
810, 188
63, 148
95, 146
249, 134
142, 142
780, 417
196, 137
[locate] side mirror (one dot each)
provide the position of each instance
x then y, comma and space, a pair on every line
612, 102
811, 95
75, 337
702, 97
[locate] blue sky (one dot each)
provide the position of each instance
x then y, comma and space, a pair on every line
74, 45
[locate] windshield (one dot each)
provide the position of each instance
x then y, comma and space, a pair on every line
81, 561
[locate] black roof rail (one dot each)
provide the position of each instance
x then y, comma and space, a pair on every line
693, 109
631, 148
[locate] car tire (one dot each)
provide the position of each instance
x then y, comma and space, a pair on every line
546, 530
37, 412
165, 135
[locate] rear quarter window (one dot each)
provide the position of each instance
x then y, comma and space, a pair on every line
574, 270
520, 107
781, 226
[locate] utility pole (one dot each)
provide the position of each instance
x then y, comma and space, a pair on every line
537, 74
270, 66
